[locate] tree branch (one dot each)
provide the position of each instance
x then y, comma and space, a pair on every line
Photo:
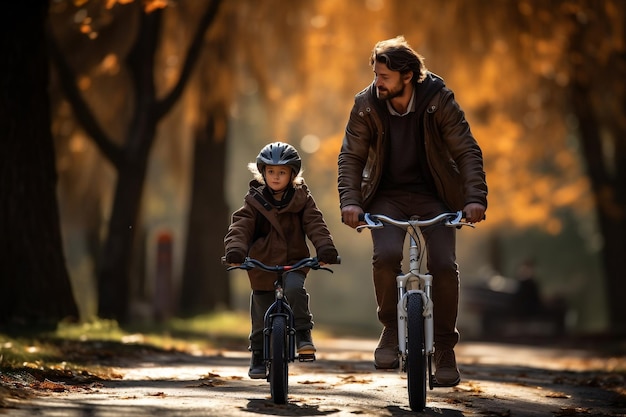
164, 105
81, 109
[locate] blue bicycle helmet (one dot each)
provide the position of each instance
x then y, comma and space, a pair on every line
279, 153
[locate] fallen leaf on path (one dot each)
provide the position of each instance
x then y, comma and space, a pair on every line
557, 395
470, 386
210, 375
351, 379
212, 383
571, 411
505, 413
49, 386
207, 383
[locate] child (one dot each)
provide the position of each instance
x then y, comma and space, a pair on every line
277, 216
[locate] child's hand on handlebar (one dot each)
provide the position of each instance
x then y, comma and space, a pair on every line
327, 255
235, 256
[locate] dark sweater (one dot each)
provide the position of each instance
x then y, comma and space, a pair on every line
406, 167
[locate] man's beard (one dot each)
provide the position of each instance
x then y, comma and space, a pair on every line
389, 94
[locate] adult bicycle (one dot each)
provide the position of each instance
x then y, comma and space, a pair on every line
279, 341
415, 306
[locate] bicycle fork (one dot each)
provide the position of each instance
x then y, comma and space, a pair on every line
415, 283
279, 308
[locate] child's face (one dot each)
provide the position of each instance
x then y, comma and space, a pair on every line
277, 177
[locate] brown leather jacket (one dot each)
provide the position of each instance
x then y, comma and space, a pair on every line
453, 155
276, 236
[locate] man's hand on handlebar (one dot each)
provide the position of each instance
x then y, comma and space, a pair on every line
350, 215
474, 212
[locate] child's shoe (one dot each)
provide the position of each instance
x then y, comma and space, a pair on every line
304, 343
257, 365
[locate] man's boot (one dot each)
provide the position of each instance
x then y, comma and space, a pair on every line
446, 371
386, 354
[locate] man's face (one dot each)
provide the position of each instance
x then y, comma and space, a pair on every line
388, 83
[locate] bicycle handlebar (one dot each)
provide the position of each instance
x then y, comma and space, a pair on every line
376, 221
250, 263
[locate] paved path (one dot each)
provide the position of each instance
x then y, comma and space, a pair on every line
498, 380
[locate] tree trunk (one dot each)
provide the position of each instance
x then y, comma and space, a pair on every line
114, 269
607, 183
611, 218
114, 276
205, 285
34, 282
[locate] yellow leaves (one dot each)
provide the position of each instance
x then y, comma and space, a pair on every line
84, 83
85, 28
570, 194
148, 5
110, 64
151, 5
111, 3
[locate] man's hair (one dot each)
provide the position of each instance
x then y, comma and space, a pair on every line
398, 55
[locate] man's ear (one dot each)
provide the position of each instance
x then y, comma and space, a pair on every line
407, 76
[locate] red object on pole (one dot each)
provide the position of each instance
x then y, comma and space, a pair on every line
163, 286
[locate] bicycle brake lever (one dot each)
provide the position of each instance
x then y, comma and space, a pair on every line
458, 225
246, 264
372, 222
456, 222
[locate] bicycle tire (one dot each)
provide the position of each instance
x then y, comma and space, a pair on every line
416, 354
279, 366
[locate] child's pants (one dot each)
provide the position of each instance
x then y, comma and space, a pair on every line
298, 298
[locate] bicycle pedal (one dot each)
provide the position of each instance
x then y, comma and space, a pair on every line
436, 384
306, 357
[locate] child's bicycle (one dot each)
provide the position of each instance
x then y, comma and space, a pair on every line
415, 305
279, 345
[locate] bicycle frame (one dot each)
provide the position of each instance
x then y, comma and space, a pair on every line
279, 308
406, 283
279, 326
413, 286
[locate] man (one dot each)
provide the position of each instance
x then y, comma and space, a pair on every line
408, 150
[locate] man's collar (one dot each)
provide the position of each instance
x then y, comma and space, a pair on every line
409, 109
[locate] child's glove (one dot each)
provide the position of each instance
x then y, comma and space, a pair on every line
327, 255
235, 256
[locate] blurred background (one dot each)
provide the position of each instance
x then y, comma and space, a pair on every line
158, 106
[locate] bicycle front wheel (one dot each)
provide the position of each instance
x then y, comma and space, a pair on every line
416, 352
279, 367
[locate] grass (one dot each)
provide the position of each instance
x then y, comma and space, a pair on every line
75, 355
208, 331
84, 353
